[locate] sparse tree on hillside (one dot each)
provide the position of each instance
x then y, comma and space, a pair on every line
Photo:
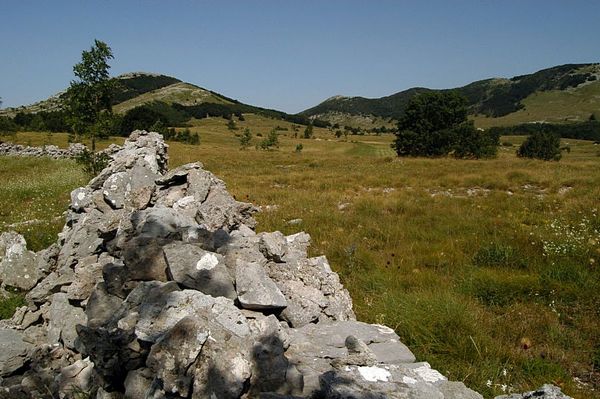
245, 139
435, 124
89, 99
231, 124
308, 132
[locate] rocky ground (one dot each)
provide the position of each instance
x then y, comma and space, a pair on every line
159, 287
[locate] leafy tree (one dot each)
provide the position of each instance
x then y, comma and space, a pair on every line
541, 145
7, 126
245, 139
435, 124
272, 140
231, 124
299, 148
89, 98
308, 132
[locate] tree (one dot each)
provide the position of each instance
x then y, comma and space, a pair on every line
541, 145
231, 124
308, 132
245, 139
435, 124
89, 98
272, 140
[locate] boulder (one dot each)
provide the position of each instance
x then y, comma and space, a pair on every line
62, 321
18, 265
547, 391
13, 351
195, 268
255, 290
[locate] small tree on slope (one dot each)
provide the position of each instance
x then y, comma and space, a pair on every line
89, 100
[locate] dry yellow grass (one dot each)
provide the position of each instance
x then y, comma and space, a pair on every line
455, 255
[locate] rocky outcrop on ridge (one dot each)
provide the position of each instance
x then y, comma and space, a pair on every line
159, 287
52, 151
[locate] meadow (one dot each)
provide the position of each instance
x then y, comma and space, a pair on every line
487, 269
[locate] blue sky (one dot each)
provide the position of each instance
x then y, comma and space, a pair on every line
291, 55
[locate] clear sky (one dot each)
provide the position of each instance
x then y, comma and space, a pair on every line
291, 55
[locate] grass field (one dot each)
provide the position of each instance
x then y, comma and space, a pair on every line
487, 269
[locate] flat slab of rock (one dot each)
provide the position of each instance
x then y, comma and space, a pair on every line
195, 268
255, 290
18, 265
13, 351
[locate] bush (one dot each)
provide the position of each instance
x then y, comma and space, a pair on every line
435, 124
271, 141
541, 145
245, 139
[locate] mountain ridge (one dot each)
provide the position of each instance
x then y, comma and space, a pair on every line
487, 98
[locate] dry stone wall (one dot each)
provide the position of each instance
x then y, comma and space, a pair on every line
159, 287
52, 151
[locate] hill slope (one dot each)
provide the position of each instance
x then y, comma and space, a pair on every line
569, 92
162, 94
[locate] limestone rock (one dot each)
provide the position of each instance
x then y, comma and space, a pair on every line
13, 351
144, 259
81, 198
62, 320
255, 289
195, 268
137, 383
547, 391
76, 377
18, 265
171, 357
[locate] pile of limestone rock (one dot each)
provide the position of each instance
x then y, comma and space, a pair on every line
52, 151
159, 287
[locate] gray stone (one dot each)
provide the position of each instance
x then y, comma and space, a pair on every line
102, 394
87, 273
273, 246
137, 384
255, 289
48, 286
160, 222
199, 183
81, 198
178, 175
75, 378
144, 259
547, 391
13, 351
171, 357
198, 269
18, 265
221, 211
62, 320
101, 306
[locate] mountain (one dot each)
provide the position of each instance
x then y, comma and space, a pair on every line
165, 97
562, 93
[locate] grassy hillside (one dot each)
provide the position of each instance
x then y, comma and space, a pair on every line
128, 86
180, 93
552, 106
561, 93
487, 269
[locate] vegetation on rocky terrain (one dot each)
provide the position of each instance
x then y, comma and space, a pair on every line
488, 269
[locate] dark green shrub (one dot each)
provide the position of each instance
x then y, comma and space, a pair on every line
435, 124
541, 145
